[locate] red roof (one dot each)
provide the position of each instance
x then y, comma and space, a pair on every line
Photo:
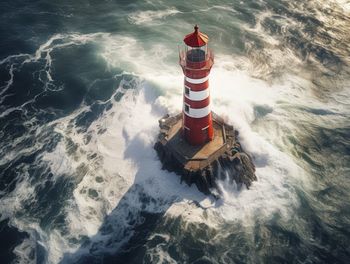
196, 39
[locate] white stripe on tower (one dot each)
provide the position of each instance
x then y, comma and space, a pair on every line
198, 112
197, 81
197, 95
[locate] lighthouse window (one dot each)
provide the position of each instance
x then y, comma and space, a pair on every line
187, 91
187, 108
196, 54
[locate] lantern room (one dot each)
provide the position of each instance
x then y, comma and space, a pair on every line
196, 45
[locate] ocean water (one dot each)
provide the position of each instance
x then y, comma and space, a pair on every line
82, 86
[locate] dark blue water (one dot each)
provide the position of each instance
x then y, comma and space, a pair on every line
82, 86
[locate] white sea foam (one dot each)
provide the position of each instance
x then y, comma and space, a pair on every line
127, 159
345, 4
125, 156
150, 16
4, 88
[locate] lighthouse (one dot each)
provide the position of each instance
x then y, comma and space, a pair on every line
196, 62
197, 143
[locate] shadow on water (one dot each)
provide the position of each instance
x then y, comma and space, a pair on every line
124, 233
126, 224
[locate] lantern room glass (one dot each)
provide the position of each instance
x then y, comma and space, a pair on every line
196, 54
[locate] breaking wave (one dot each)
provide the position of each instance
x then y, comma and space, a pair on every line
80, 175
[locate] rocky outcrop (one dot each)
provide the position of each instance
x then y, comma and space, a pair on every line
233, 164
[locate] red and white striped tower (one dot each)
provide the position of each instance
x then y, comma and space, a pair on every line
196, 62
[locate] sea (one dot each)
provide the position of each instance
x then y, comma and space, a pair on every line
83, 84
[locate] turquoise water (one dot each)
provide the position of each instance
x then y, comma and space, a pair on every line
82, 86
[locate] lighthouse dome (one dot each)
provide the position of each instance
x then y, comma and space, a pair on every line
196, 38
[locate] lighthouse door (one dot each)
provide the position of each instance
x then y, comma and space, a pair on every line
187, 133
205, 135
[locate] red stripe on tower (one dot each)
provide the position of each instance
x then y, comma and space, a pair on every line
196, 62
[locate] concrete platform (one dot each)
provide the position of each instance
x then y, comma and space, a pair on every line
203, 165
195, 157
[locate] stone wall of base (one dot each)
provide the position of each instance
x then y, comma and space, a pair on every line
234, 165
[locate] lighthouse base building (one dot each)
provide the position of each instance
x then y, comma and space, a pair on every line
221, 158
198, 144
